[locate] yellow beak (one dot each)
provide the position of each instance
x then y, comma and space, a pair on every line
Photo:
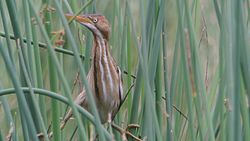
80, 19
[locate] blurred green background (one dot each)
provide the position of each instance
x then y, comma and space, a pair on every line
190, 59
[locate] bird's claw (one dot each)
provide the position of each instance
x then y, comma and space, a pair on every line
132, 126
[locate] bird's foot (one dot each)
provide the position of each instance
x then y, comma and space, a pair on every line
62, 124
125, 132
132, 126
41, 135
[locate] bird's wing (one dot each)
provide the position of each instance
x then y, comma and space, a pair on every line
121, 97
80, 100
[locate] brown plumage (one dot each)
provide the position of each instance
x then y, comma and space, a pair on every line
104, 76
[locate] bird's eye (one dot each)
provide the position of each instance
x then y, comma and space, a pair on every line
94, 20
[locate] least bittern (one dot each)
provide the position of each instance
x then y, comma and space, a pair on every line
104, 77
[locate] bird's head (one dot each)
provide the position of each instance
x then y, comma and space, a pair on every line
98, 24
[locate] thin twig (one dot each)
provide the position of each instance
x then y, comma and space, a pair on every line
178, 110
130, 88
133, 76
204, 35
43, 45
11, 131
71, 138
80, 11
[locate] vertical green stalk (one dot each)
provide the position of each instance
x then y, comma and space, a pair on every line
22, 51
239, 42
244, 54
227, 41
154, 52
39, 75
159, 88
137, 91
150, 124
217, 11
197, 16
147, 125
3, 99
244, 114
30, 49
24, 127
198, 80
1, 137
169, 129
34, 110
27, 120
220, 110
134, 117
172, 88
123, 51
9, 118
52, 75
31, 77
187, 82
6, 31
129, 49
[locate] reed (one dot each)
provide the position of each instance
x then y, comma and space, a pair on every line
185, 62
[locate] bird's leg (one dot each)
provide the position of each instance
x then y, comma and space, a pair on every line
66, 118
109, 123
41, 135
62, 125
69, 113
124, 132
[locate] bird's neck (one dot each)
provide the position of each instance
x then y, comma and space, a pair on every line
100, 49
104, 69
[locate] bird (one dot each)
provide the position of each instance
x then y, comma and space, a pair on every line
104, 76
